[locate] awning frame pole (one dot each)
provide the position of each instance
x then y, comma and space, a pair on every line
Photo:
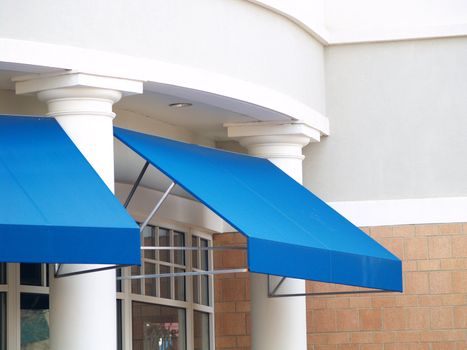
183, 274
272, 293
136, 184
156, 208
67, 274
196, 248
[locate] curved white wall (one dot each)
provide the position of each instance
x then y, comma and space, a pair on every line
231, 37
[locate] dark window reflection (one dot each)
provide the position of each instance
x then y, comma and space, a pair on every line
165, 282
201, 331
34, 321
31, 274
158, 327
164, 241
2, 273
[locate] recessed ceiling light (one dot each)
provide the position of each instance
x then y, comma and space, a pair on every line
180, 104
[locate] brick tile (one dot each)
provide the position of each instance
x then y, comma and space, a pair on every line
362, 337
440, 282
242, 306
430, 300
404, 230
217, 289
226, 342
233, 324
408, 336
394, 318
426, 230
348, 347
418, 318
407, 300
370, 319
383, 301
416, 248
233, 259
416, 283
347, 320
244, 341
337, 303
460, 317
371, 347
323, 321
454, 299
225, 307
441, 318
325, 347
316, 303
394, 245
459, 246
384, 337
439, 247
450, 228
409, 265
321, 338
459, 281
382, 231
452, 264
233, 289
360, 302
444, 346
338, 338
428, 265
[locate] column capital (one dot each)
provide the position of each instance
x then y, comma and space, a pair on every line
274, 140
71, 93
35, 83
277, 129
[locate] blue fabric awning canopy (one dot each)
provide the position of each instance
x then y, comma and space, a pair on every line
290, 231
54, 208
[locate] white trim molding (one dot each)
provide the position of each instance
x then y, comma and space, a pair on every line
403, 211
219, 90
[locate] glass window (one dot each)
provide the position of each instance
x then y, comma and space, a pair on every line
2, 273
2, 321
136, 284
179, 285
179, 241
31, 274
201, 330
157, 327
164, 241
165, 283
150, 283
204, 254
34, 321
149, 240
205, 290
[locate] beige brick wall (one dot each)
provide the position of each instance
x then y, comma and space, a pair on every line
431, 314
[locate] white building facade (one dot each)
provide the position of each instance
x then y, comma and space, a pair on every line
363, 103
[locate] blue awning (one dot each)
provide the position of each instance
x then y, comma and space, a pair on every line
290, 231
54, 208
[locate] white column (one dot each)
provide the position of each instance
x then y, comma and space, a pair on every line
277, 323
83, 308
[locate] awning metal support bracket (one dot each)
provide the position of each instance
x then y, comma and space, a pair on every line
58, 267
182, 274
273, 293
156, 208
136, 184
